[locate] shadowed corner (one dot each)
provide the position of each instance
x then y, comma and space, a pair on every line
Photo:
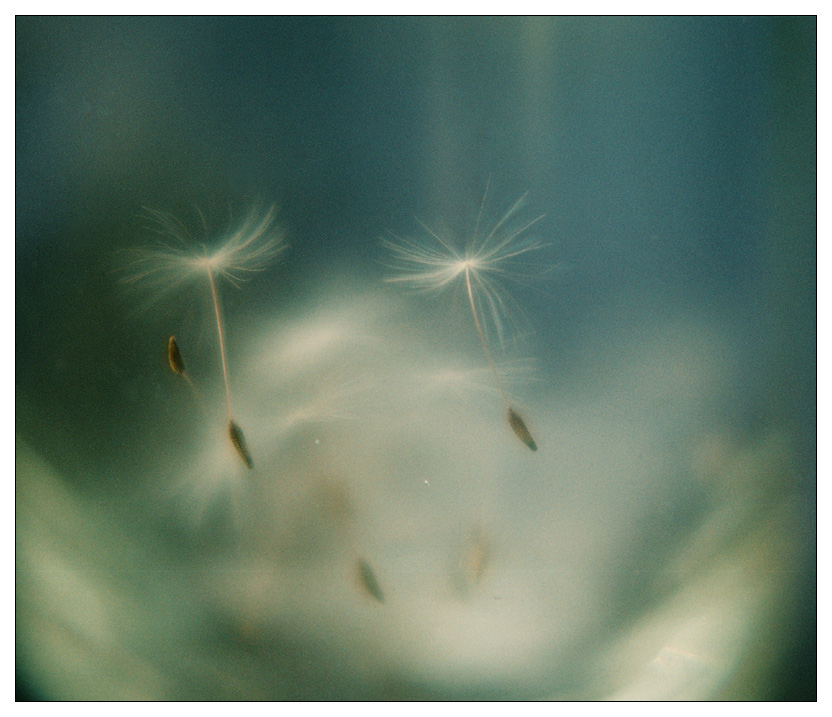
24, 689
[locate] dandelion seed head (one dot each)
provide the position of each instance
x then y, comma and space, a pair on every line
177, 257
491, 256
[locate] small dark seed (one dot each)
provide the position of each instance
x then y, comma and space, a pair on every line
175, 357
519, 428
368, 580
235, 433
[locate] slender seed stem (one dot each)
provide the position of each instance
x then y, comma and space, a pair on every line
482, 336
222, 340
196, 392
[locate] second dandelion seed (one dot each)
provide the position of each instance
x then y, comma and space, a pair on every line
434, 262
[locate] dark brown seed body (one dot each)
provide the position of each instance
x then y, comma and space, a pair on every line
520, 429
235, 433
175, 357
368, 580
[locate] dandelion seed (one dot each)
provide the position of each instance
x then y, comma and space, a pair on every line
368, 580
475, 559
519, 427
175, 357
434, 263
235, 433
177, 365
177, 260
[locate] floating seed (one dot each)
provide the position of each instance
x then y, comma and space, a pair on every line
520, 429
175, 357
368, 580
235, 433
475, 560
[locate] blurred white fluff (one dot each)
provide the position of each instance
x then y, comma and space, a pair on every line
585, 594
